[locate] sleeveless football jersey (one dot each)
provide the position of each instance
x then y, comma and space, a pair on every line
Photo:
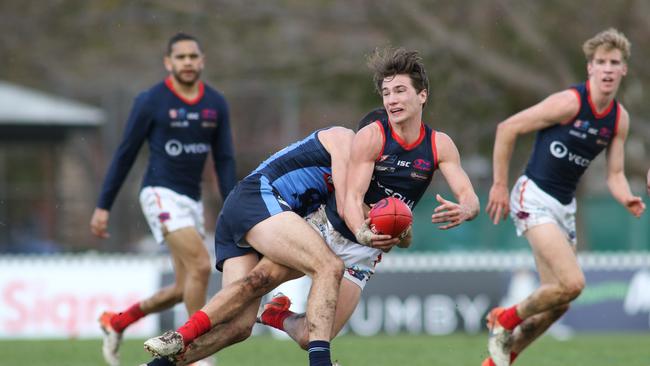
301, 173
180, 133
563, 151
401, 170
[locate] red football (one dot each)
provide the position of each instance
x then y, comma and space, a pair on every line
390, 216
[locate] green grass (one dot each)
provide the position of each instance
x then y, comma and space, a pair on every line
457, 350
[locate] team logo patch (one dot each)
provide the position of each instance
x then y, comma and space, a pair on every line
209, 113
421, 164
522, 215
605, 132
173, 114
388, 159
182, 113
164, 216
581, 125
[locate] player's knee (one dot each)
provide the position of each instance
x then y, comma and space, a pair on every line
201, 271
573, 288
258, 282
332, 268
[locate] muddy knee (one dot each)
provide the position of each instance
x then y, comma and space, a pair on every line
572, 289
258, 282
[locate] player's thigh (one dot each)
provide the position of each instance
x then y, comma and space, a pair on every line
187, 245
554, 255
287, 239
349, 296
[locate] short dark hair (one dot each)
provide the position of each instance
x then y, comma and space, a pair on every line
377, 114
178, 37
389, 62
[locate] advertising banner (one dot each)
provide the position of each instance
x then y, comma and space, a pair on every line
63, 297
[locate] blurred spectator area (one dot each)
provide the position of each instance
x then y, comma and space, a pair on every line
44, 168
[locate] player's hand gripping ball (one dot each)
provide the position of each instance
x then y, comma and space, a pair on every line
390, 216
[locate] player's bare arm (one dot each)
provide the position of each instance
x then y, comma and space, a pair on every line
366, 146
556, 108
337, 142
448, 213
616, 180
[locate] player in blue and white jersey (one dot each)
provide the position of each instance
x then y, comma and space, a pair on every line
263, 216
183, 120
573, 126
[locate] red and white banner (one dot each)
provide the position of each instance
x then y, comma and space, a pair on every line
62, 297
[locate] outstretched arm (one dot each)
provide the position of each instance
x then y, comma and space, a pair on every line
616, 180
449, 213
557, 108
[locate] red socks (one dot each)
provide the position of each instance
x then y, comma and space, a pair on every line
509, 318
122, 320
275, 318
198, 324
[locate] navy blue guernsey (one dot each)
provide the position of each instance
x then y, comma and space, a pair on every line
181, 133
301, 173
563, 151
401, 170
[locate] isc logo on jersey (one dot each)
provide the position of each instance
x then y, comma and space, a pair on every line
560, 151
175, 148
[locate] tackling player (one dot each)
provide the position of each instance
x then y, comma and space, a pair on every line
263, 217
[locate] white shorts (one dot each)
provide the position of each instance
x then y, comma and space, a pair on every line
531, 206
167, 211
360, 261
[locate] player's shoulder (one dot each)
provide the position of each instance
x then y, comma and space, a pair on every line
337, 131
146, 99
442, 139
212, 92
334, 136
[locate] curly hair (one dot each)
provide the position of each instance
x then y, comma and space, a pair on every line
389, 62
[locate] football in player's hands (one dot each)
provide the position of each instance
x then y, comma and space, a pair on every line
390, 216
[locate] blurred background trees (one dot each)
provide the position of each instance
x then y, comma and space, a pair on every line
288, 67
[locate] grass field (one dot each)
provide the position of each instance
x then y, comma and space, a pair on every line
404, 350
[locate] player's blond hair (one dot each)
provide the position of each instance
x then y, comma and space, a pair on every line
610, 38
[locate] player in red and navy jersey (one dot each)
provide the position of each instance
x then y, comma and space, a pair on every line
394, 154
573, 126
183, 120
397, 157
